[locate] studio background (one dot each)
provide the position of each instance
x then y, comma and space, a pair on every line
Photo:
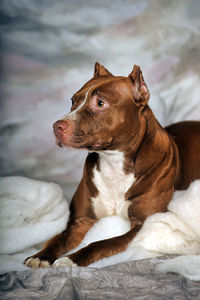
48, 51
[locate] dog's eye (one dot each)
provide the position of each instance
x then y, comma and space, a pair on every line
100, 103
72, 102
97, 103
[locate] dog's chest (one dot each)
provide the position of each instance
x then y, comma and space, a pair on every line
112, 183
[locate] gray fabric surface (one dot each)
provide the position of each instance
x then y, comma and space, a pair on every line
131, 280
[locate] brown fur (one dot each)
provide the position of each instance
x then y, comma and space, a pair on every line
162, 160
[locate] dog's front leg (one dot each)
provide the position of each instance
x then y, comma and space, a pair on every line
61, 243
99, 250
140, 209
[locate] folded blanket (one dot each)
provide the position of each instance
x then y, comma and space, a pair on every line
33, 211
178, 230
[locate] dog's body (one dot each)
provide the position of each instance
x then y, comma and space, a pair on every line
133, 167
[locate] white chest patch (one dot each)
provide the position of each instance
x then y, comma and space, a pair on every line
112, 184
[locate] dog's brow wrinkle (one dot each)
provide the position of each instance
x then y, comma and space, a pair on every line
73, 112
94, 92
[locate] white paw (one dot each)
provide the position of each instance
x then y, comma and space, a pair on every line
64, 262
37, 263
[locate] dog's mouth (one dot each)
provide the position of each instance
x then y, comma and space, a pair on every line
100, 147
75, 140
80, 144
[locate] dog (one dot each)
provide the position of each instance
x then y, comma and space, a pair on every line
132, 169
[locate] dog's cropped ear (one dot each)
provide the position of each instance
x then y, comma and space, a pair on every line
100, 70
140, 90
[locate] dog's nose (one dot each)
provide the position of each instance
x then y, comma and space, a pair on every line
60, 126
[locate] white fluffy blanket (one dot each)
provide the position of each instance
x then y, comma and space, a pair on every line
33, 211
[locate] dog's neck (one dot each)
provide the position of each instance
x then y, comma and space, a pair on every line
113, 160
149, 136
150, 131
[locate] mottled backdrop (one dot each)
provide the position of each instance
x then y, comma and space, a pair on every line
48, 50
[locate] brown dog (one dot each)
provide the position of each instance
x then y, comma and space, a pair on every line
132, 169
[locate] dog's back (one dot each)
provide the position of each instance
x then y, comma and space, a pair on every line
187, 138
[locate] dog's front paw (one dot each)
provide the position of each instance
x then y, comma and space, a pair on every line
36, 262
64, 262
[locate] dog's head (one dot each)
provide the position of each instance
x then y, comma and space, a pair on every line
105, 112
